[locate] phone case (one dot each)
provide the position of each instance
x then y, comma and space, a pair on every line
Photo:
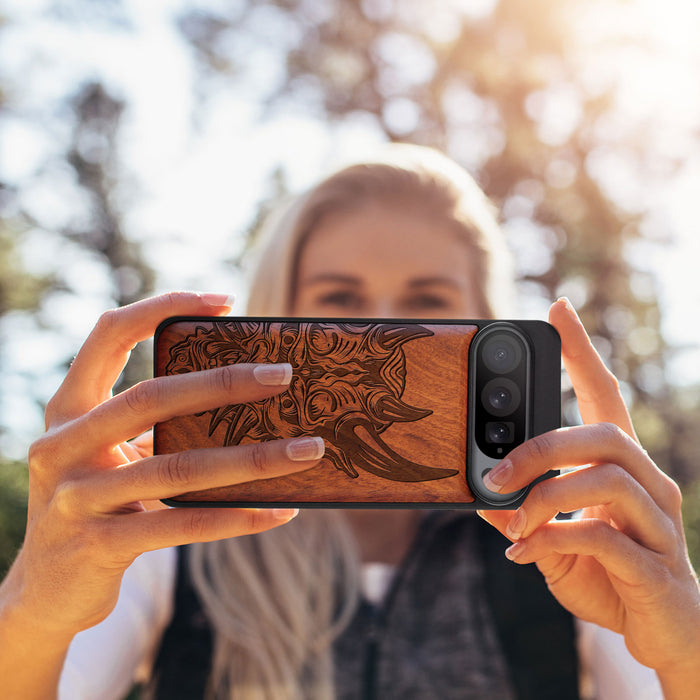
390, 399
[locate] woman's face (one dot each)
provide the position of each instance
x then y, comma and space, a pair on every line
385, 261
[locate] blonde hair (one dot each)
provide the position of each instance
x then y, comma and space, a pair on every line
277, 600
416, 176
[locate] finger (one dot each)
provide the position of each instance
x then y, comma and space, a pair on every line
143, 444
579, 445
105, 352
155, 400
166, 476
596, 388
606, 486
614, 550
142, 532
497, 518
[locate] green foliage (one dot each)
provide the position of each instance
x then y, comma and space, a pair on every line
18, 289
691, 521
14, 483
484, 88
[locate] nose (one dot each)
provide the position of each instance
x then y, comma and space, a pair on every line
382, 308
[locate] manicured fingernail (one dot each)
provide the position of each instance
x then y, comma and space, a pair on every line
569, 306
498, 476
273, 375
515, 550
516, 525
218, 299
305, 448
285, 513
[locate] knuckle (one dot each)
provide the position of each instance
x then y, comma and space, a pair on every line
174, 299
599, 533
38, 455
542, 495
610, 432
539, 448
674, 495
142, 396
175, 471
67, 498
53, 410
43, 455
224, 380
257, 460
196, 525
258, 520
107, 322
617, 479
110, 325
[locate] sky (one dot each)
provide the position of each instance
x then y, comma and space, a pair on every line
186, 184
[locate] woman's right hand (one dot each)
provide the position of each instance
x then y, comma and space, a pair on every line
87, 516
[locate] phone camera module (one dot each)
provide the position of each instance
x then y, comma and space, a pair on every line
500, 396
501, 391
502, 353
500, 432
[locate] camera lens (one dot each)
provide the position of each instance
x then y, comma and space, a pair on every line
500, 396
502, 353
499, 432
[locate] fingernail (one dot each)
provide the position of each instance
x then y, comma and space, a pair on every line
516, 525
305, 448
569, 306
498, 477
218, 299
273, 375
285, 514
515, 550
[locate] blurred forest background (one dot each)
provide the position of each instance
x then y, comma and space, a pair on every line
580, 119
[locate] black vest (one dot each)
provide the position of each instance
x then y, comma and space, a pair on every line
534, 634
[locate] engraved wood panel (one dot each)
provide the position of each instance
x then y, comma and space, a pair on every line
389, 400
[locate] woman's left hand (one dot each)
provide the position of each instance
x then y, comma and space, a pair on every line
623, 564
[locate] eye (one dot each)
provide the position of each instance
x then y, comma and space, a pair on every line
427, 302
341, 299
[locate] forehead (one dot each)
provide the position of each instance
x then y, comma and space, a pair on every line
384, 239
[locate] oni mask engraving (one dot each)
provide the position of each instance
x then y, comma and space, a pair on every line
347, 387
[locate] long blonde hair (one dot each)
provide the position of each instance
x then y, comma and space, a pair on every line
406, 175
277, 600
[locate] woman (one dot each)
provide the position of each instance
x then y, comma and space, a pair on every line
412, 236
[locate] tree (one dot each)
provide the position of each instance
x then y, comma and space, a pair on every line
97, 232
513, 90
507, 91
93, 155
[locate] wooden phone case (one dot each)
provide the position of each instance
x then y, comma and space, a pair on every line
389, 398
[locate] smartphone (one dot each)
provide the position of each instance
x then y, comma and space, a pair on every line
413, 413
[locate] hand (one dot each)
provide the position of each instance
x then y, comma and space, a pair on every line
624, 564
88, 517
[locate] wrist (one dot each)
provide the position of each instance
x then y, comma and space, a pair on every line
20, 621
682, 681
32, 656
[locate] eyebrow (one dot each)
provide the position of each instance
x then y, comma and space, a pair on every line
350, 280
333, 277
433, 281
